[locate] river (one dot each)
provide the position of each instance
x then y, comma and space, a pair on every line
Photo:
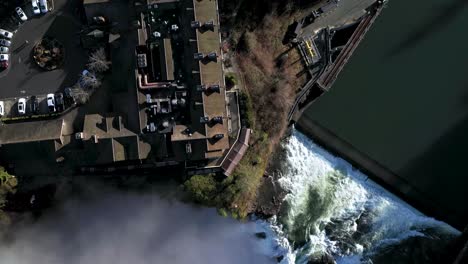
403, 98
332, 208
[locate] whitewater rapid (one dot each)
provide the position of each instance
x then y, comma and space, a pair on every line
335, 209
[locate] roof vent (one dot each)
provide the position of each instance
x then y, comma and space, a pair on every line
218, 136
217, 120
209, 24
201, 87
215, 88
213, 56
195, 24
198, 56
141, 60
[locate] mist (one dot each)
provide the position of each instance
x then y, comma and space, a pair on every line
128, 228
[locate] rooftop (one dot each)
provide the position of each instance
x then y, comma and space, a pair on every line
107, 140
87, 2
211, 73
150, 2
110, 126
23, 132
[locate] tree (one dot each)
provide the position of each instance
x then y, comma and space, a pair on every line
230, 81
98, 61
89, 80
79, 94
7, 185
202, 188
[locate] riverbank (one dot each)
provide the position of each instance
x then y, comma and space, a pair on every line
270, 74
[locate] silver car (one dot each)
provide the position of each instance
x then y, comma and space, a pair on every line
4, 49
21, 14
6, 34
4, 42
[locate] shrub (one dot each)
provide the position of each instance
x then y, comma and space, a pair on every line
202, 188
7, 185
230, 81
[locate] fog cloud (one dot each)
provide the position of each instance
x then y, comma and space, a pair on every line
127, 228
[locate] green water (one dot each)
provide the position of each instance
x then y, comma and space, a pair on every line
403, 97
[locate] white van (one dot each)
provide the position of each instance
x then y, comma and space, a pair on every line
43, 6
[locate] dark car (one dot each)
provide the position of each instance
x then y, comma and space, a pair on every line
34, 105
4, 64
4, 42
59, 102
69, 98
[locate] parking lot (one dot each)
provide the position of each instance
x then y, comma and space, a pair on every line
11, 107
24, 78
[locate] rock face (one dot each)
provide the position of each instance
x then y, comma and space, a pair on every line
261, 235
270, 194
324, 259
269, 198
413, 250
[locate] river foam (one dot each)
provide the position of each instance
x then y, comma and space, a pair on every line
335, 209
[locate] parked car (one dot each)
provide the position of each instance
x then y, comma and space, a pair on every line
68, 92
6, 34
21, 14
34, 105
22, 106
43, 6
69, 98
86, 73
2, 108
35, 7
4, 64
51, 102
59, 102
4, 50
4, 42
4, 57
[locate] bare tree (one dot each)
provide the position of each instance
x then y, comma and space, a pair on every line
81, 96
89, 81
98, 61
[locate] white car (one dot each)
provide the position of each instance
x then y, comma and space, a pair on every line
2, 108
6, 34
4, 57
22, 106
21, 14
51, 102
35, 7
43, 6
4, 49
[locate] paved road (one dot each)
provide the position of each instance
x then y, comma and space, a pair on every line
347, 11
24, 78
